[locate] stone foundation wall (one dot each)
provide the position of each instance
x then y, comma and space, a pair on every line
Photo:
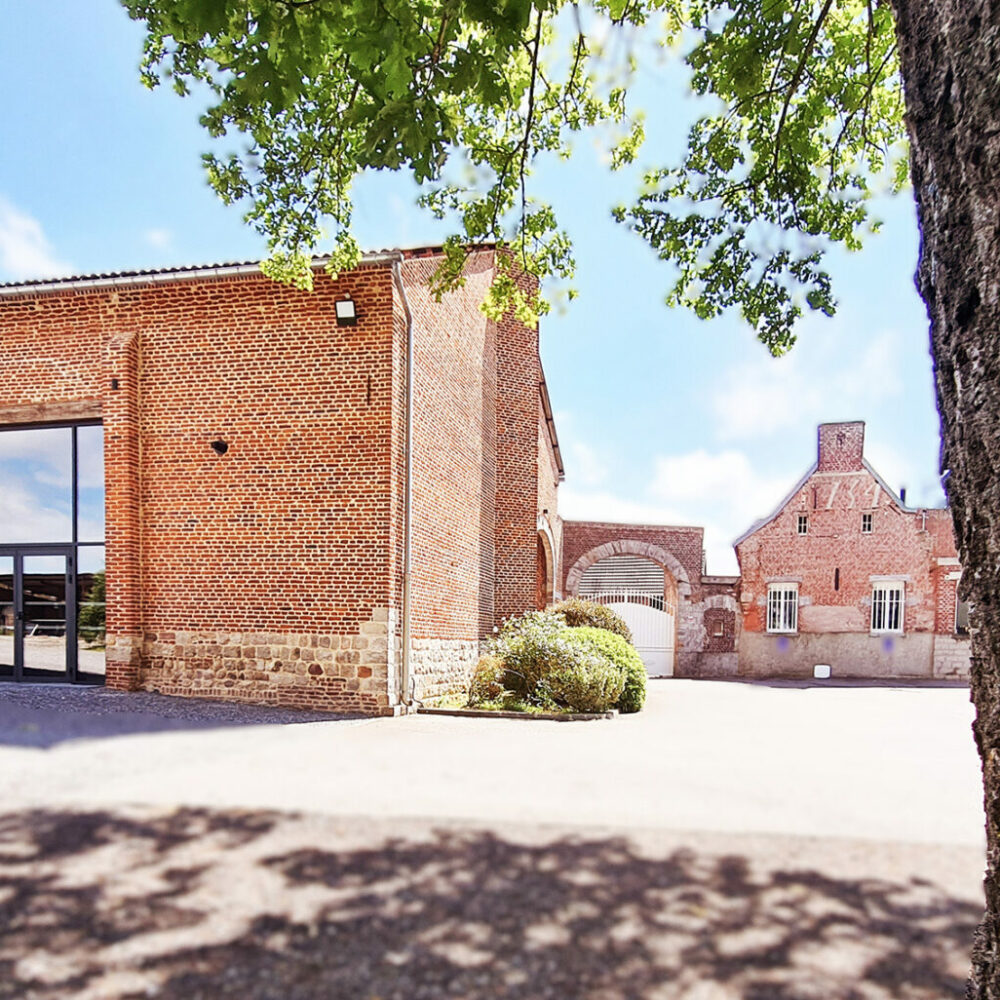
440, 667
951, 656
344, 673
849, 654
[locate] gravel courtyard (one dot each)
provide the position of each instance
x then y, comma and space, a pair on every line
732, 841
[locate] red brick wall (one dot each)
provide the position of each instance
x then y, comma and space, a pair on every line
273, 572
517, 506
548, 506
833, 564
833, 505
454, 454
841, 447
287, 532
685, 544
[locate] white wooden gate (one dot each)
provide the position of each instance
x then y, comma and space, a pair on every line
652, 624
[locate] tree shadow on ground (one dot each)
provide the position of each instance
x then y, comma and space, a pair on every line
200, 904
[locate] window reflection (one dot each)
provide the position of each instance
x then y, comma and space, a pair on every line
36, 485
90, 610
6, 616
43, 583
90, 483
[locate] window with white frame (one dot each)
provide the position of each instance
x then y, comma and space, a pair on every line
783, 607
888, 606
803, 524
866, 524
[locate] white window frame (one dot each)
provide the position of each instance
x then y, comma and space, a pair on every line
867, 523
802, 524
888, 607
783, 608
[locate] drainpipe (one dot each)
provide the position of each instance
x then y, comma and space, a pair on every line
404, 678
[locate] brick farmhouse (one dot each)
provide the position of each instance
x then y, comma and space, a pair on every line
331, 499
843, 575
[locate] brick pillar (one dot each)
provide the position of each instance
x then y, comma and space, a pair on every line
123, 530
518, 381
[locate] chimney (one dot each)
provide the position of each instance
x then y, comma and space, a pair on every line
841, 447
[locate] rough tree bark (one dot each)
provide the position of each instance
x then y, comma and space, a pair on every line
950, 56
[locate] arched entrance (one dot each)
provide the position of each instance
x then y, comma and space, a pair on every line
544, 566
644, 584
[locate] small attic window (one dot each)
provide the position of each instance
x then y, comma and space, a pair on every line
866, 524
803, 524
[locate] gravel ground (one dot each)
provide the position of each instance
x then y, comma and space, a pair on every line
42, 715
732, 842
195, 904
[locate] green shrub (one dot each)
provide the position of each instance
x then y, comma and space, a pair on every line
487, 680
623, 656
529, 648
585, 682
541, 665
578, 612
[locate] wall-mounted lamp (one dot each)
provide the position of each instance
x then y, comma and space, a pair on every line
347, 315
220, 447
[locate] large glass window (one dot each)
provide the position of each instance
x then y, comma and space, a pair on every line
52, 485
52, 581
36, 485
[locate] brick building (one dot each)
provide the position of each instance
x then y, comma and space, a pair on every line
320, 499
685, 623
843, 574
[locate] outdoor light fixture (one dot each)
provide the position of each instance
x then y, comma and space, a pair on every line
347, 315
220, 447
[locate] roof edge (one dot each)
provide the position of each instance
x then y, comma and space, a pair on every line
124, 279
550, 424
757, 525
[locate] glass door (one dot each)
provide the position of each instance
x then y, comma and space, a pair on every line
37, 614
7, 616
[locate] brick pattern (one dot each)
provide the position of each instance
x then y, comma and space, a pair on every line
834, 562
841, 447
686, 545
274, 572
720, 629
697, 600
454, 454
519, 379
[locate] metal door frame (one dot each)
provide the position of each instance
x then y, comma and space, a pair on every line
70, 674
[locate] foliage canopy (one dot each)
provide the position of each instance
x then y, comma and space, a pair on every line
803, 126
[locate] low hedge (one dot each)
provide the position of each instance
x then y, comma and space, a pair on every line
625, 659
577, 612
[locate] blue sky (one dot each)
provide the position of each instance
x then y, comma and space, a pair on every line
662, 417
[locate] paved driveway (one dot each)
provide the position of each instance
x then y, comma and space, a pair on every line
732, 841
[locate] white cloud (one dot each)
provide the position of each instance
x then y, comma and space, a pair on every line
822, 379
25, 251
158, 238
714, 491
700, 477
587, 466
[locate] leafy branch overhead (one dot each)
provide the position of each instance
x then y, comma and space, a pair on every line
468, 94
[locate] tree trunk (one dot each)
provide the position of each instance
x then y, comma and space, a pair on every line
950, 57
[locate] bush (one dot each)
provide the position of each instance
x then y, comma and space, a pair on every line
623, 656
487, 680
589, 682
542, 665
529, 649
578, 612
